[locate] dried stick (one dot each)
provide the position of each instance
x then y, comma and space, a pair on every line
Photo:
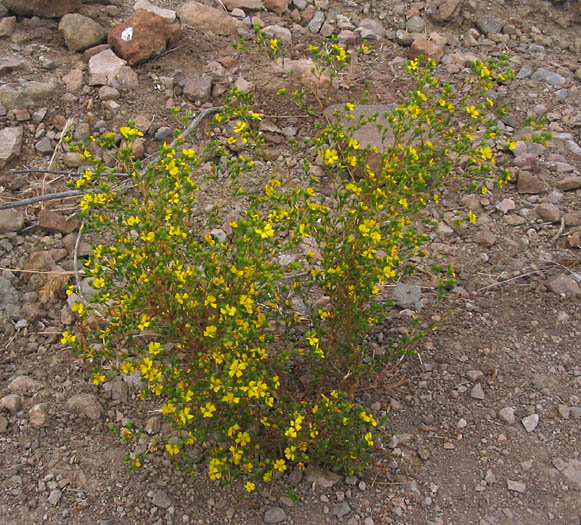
40, 198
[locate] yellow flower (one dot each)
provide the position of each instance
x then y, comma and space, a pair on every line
369, 438
511, 144
128, 132
98, 379
208, 410
250, 486
273, 44
330, 157
472, 111
242, 438
172, 449
471, 217
240, 126
68, 338
265, 232
237, 368
148, 237
210, 331
484, 190
279, 465
154, 348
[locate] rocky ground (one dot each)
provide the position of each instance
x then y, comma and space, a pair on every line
485, 423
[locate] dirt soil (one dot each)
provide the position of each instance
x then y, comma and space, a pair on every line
483, 426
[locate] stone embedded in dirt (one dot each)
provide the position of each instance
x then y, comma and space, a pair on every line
406, 295
44, 146
443, 10
564, 285
38, 415
574, 240
302, 68
8, 64
160, 499
316, 22
489, 24
375, 27
53, 222
544, 75
274, 515
427, 49
24, 385
280, 33
243, 4
278, 6
548, 212
569, 183
243, 85
321, 478
55, 496
143, 36
10, 144
42, 8
506, 205
81, 32
507, 415
3, 424
530, 422
11, 402
341, 509
516, 486
7, 26
573, 471
477, 392
169, 15
198, 88
485, 237
416, 24
200, 15
11, 220
85, 405
103, 67
528, 183
74, 80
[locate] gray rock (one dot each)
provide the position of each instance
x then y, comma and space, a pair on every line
489, 24
24, 385
544, 75
85, 405
9, 299
38, 415
55, 496
44, 146
505, 206
280, 33
11, 402
3, 10
9, 64
507, 415
103, 67
216, 20
416, 24
549, 212
167, 14
321, 478
485, 237
528, 183
443, 10
81, 32
477, 392
516, 486
163, 133
341, 509
573, 471
160, 499
530, 422
406, 295
317, 22
36, 89
569, 183
403, 38
564, 285
10, 144
11, 220
274, 515
3, 424
524, 72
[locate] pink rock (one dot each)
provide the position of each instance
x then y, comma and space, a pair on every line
103, 67
167, 14
278, 6
10, 144
244, 4
427, 49
73, 80
143, 36
7, 25
42, 8
200, 15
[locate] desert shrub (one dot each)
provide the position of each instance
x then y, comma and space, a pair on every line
247, 315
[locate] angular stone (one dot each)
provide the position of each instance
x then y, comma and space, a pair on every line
317, 22
516, 486
38, 415
572, 218
160, 499
11, 402
544, 75
10, 144
9, 300
85, 405
564, 285
244, 4
278, 6
485, 237
322, 478
489, 24
81, 32
53, 222
406, 295
427, 49
7, 25
507, 415
103, 67
168, 15
573, 472
9, 64
443, 10
416, 24
274, 515
341, 509
528, 183
569, 183
197, 88
477, 392
42, 8
143, 36
11, 220
199, 15
530, 422
73, 80
548, 212
24, 385
374, 26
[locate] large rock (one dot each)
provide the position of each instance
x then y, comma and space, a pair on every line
81, 32
278, 6
42, 8
85, 405
200, 15
103, 67
10, 144
427, 49
143, 36
169, 15
244, 4
443, 10
9, 301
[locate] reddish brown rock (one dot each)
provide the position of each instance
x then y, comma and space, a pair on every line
278, 6
53, 222
528, 183
42, 8
427, 49
143, 36
199, 15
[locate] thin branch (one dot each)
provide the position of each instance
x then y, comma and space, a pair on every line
50, 172
558, 234
512, 279
40, 198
